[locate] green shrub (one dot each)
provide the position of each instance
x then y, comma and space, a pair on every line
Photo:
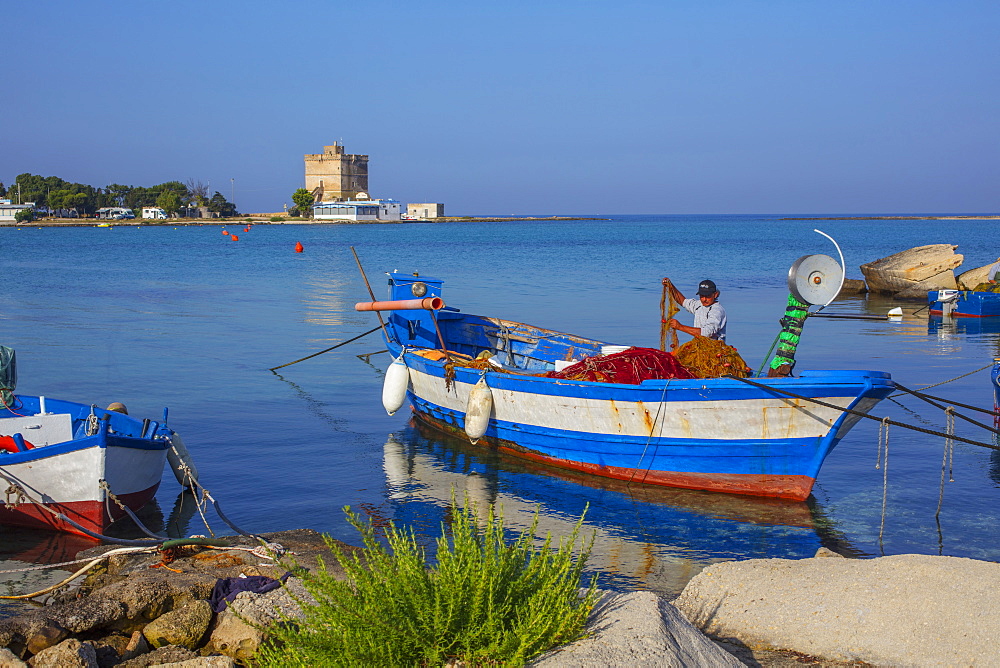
24, 216
276, 219
484, 602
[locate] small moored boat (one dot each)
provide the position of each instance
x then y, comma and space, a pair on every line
964, 303
67, 466
720, 434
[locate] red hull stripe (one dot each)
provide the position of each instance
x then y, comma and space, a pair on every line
796, 487
95, 516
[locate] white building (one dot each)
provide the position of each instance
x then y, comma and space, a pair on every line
154, 213
425, 211
8, 211
374, 210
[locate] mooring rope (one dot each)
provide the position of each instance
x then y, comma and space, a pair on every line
927, 387
946, 409
103, 484
649, 438
947, 458
883, 461
851, 411
93, 562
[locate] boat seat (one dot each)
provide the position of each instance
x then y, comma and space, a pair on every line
40, 430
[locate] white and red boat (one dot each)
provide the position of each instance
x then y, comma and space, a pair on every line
65, 465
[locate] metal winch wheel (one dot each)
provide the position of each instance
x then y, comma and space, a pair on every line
815, 279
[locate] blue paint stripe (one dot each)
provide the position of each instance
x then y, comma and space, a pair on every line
779, 456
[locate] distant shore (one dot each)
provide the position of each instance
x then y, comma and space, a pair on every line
990, 217
255, 220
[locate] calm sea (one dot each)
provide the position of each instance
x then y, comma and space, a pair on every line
188, 319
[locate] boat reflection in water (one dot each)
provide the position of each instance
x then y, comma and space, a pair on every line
645, 537
23, 548
944, 327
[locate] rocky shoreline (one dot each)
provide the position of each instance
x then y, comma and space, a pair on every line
165, 608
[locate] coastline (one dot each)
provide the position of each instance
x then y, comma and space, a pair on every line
256, 220
955, 217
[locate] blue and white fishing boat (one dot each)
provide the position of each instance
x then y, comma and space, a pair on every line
75, 467
720, 434
964, 303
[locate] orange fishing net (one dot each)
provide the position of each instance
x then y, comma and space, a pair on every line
708, 358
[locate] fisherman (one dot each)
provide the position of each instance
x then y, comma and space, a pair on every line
709, 315
993, 273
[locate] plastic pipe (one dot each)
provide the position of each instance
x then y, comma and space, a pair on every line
428, 303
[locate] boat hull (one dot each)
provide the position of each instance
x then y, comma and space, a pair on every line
62, 481
718, 434
965, 304
711, 434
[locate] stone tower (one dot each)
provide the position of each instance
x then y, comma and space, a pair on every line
335, 175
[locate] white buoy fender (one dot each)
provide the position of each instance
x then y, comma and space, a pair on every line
477, 412
180, 461
397, 378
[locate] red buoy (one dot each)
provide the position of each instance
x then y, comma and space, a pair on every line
234, 237
224, 232
298, 247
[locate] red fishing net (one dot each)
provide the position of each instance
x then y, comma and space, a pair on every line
630, 366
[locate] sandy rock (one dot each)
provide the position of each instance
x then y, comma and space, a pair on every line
158, 657
900, 271
110, 649
184, 627
202, 662
234, 636
136, 646
68, 654
9, 660
903, 610
825, 552
943, 281
93, 612
49, 634
153, 594
968, 280
853, 286
638, 629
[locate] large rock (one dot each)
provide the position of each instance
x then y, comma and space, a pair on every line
943, 281
237, 632
202, 662
968, 280
903, 610
638, 629
9, 660
163, 655
184, 627
68, 654
852, 286
895, 273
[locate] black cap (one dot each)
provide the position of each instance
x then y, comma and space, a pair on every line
706, 288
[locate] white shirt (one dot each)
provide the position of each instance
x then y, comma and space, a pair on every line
991, 273
711, 320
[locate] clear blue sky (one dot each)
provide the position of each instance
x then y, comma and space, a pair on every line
558, 107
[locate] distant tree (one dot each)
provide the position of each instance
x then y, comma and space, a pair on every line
24, 216
218, 204
197, 193
116, 194
303, 201
169, 201
3, 191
